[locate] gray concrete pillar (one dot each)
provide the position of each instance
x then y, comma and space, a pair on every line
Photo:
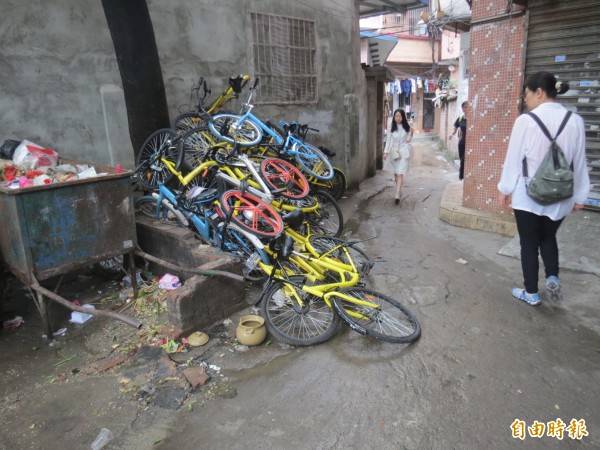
120, 150
371, 129
352, 160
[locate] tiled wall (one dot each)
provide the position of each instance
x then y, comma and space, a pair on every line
495, 84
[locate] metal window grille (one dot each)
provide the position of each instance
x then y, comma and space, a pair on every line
414, 15
284, 51
408, 22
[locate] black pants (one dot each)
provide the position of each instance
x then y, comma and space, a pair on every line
461, 156
537, 232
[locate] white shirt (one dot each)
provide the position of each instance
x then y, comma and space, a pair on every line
527, 140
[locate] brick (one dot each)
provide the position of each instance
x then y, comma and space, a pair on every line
196, 376
107, 365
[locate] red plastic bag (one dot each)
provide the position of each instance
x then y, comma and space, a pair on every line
33, 155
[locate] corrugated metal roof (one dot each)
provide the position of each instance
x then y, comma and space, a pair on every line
370, 8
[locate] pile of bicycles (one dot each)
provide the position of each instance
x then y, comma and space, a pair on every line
249, 188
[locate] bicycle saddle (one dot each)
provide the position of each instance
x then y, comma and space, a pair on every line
236, 83
288, 246
294, 218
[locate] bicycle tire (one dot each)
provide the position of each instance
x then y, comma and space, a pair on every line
313, 161
149, 207
327, 218
248, 135
251, 213
150, 170
315, 324
394, 323
195, 144
187, 121
331, 247
337, 185
279, 174
277, 130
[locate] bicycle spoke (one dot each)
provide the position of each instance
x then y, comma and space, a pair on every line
383, 317
312, 323
280, 174
252, 213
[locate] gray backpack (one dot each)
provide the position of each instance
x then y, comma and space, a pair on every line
553, 181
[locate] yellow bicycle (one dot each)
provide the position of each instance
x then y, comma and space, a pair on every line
197, 118
302, 314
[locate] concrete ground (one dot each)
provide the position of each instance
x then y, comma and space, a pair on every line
484, 361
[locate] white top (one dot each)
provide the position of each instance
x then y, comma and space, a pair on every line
527, 140
398, 140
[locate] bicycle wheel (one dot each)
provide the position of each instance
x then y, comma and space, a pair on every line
279, 174
337, 185
194, 146
207, 179
224, 126
313, 161
388, 321
327, 218
237, 243
150, 169
341, 251
251, 213
187, 121
149, 207
311, 324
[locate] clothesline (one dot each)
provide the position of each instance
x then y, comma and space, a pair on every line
408, 86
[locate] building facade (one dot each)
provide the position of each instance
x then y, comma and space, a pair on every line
62, 88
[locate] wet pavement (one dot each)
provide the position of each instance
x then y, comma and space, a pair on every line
483, 360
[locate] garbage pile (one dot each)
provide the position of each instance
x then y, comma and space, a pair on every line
25, 163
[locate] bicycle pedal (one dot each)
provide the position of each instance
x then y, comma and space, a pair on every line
361, 284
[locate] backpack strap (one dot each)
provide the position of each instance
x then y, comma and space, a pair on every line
545, 130
547, 134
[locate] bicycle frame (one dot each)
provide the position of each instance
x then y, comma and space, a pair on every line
226, 96
235, 178
227, 174
205, 225
324, 291
288, 144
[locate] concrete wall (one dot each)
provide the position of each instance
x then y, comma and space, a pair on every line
60, 85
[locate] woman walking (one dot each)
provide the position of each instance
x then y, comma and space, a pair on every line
396, 152
460, 126
537, 224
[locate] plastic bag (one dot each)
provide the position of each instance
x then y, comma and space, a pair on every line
31, 155
169, 282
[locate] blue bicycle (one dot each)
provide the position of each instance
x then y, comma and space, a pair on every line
197, 208
248, 130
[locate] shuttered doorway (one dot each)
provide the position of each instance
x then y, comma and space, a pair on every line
563, 38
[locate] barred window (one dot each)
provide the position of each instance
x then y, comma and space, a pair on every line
284, 59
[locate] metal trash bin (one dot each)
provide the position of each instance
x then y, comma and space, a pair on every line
50, 230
